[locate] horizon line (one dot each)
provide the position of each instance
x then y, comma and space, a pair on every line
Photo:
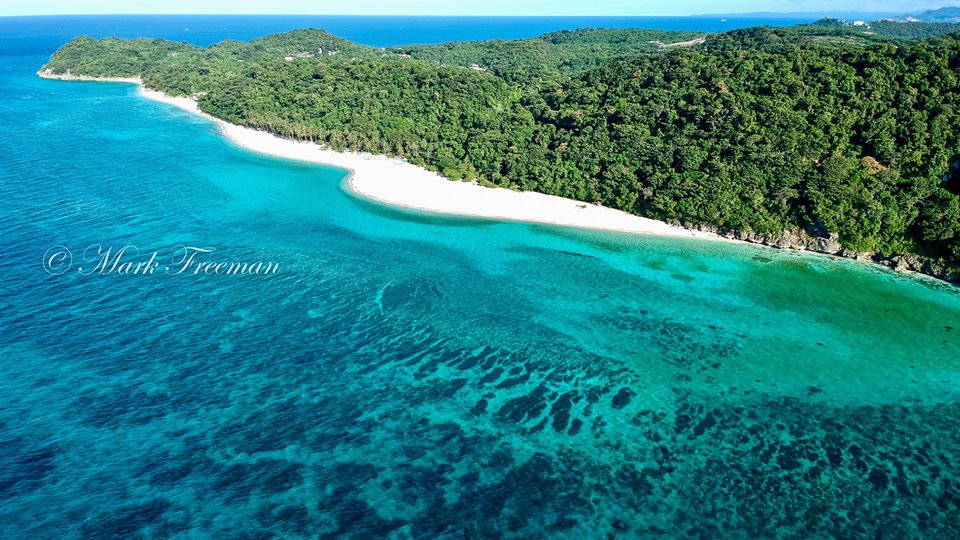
273, 14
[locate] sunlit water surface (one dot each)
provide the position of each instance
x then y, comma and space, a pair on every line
425, 377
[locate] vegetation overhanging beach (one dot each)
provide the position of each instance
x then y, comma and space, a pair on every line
398, 183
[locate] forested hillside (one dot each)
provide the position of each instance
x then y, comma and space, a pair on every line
824, 128
547, 58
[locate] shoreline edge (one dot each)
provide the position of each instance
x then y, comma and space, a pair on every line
394, 182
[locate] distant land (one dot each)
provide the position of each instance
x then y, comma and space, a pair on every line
812, 15
942, 15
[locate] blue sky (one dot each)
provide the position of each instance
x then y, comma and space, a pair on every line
461, 7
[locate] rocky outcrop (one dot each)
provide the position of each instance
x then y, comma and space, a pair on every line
48, 73
818, 240
920, 265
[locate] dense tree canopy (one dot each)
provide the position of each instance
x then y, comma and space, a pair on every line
546, 58
823, 127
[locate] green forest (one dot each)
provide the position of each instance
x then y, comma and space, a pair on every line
828, 129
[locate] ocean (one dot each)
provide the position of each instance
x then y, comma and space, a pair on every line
413, 376
376, 31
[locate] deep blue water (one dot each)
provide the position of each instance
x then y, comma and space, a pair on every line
422, 377
376, 31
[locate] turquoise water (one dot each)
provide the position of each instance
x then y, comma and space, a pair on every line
412, 376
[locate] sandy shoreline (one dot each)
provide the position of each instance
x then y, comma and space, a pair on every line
398, 183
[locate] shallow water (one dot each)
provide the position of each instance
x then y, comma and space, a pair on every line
417, 376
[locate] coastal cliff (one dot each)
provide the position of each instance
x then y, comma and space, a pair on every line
67, 76
830, 245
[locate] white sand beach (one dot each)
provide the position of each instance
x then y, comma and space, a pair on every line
398, 183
